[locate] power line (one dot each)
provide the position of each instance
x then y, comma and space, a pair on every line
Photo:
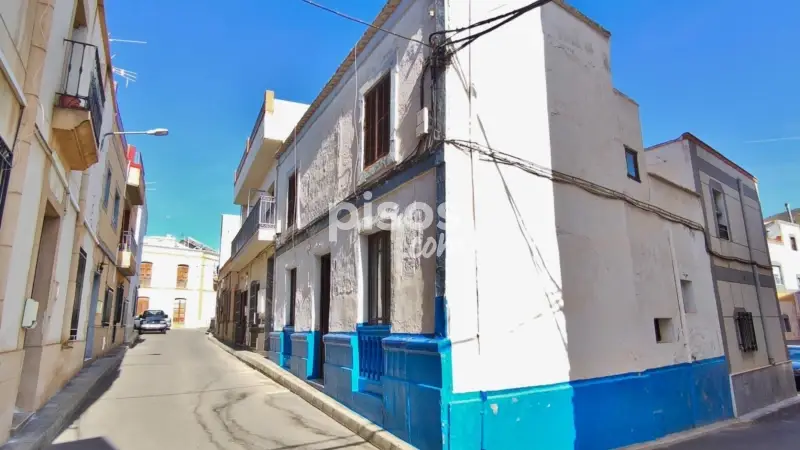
504, 18
499, 157
362, 22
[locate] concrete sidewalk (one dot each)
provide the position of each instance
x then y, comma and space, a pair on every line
46, 423
367, 430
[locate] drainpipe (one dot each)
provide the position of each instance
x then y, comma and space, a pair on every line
755, 272
789, 212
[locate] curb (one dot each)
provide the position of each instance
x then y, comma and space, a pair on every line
365, 429
684, 436
49, 421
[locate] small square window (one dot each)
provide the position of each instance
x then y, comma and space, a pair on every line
793, 242
632, 162
664, 331
787, 324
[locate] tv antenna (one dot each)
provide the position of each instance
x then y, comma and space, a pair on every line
127, 75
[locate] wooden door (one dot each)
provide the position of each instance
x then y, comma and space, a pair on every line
324, 312
179, 311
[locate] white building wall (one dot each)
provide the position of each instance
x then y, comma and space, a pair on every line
66, 185
229, 226
786, 262
328, 155
782, 255
200, 295
581, 276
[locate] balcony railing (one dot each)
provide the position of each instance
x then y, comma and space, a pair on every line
370, 350
261, 215
128, 244
82, 84
250, 141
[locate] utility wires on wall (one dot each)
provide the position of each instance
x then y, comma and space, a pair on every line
591, 187
496, 22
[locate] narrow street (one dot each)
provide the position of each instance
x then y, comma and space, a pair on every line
180, 391
778, 431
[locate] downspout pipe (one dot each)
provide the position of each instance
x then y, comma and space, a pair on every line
754, 269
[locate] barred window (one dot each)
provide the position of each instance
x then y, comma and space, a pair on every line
745, 330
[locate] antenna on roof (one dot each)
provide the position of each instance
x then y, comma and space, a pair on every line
127, 75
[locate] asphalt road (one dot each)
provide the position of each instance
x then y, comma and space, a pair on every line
778, 431
179, 391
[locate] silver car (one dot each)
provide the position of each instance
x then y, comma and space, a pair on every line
157, 314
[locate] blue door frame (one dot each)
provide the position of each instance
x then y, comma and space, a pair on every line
90, 319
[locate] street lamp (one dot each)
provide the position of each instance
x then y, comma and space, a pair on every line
153, 132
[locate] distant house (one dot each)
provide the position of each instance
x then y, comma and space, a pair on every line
177, 276
782, 237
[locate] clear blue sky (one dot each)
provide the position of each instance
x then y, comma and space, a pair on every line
726, 70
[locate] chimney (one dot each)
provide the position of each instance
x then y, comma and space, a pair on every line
789, 212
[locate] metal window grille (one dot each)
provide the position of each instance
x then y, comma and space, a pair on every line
745, 330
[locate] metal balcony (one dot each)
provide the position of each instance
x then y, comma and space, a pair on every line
78, 112
127, 254
135, 187
257, 231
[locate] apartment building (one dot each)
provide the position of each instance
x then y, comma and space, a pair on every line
177, 276
782, 236
476, 251
63, 207
132, 238
245, 306
745, 289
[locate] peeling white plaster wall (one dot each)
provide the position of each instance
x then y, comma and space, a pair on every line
327, 155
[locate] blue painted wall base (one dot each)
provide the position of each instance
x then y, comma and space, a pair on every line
304, 349
601, 413
415, 400
275, 347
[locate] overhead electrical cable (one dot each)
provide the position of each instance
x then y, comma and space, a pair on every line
362, 22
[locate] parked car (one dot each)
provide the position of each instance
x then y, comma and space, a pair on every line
153, 323
794, 355
140, 319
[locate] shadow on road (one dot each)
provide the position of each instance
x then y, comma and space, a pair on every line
97, 443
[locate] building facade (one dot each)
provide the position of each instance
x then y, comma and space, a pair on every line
745, 289
782, 239
476, 251
177, 276
245, 307
62, 199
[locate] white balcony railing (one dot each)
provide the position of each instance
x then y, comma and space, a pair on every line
261, 215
